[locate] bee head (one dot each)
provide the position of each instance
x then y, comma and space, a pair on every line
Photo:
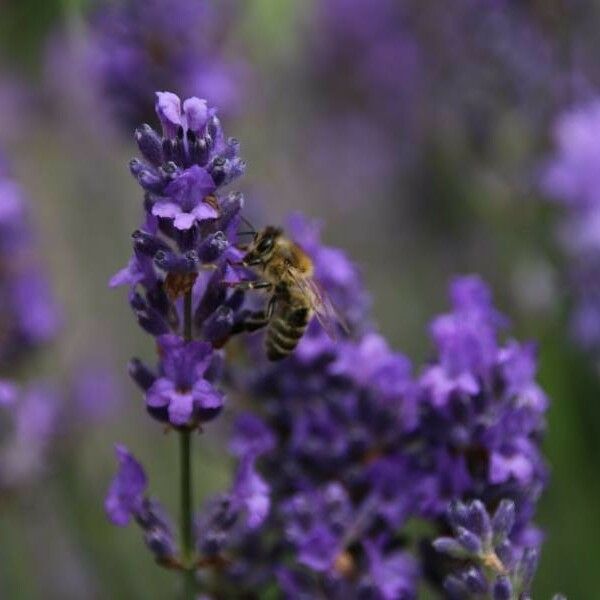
262, 247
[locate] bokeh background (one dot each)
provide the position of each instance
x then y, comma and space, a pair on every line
417, 132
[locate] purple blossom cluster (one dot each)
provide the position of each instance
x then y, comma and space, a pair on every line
181, 259
138, 46
570, 177
355, 448
343, 447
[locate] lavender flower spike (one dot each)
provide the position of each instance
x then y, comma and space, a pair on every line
179, 289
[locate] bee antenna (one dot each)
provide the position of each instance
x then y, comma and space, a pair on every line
246, 232
246, 222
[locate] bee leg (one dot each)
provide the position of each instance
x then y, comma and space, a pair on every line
251, 285
254, 320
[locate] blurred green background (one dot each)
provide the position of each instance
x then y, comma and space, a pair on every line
55, 541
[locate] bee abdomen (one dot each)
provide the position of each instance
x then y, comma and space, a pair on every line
285, 332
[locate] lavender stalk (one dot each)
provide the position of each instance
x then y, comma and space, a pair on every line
179, 279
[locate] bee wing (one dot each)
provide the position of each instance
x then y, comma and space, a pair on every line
320, 302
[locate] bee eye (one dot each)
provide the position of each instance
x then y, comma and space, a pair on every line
265, 245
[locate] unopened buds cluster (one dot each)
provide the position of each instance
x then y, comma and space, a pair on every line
496, 568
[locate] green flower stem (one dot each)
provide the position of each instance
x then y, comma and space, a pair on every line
185, 457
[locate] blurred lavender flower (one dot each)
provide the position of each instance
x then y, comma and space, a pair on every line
330, 411
29, 319
398, 85
355, 447
95, 394
31, 417
135, 47
28, 312
571, 177
228, 517
482, 413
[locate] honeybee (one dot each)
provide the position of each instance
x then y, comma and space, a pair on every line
287, 272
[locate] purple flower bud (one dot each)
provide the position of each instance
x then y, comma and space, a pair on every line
502, 589
469, 541
251, 492
505, 552
230, 208
503, 521
527, 567
479, 521
458, 514
136, 166
218, 326
475, 581
212, 247
456, 588
148, 317
141, 374
147, 244
451, 547
150, 144
251, 436
160, 543
171, 262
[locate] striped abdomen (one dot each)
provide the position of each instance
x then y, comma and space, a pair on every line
285, 330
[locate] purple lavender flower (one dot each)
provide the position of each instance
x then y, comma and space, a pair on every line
136, 47
331, 411
180, 289
182, 389
189, 226
126, 493
355, 447
488, 427
229, 517
126, 500
185, 203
